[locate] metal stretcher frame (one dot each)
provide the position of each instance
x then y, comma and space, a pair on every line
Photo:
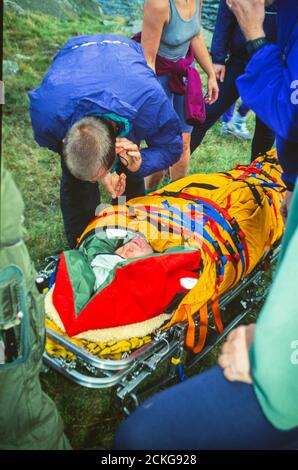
130, 373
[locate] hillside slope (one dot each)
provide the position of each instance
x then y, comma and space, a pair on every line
60, 8
31, 40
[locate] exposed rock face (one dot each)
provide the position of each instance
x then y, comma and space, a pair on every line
59, 8
129, 8
209, 13
14, 6
10, 68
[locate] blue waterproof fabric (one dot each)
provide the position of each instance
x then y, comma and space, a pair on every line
205, 412
100, 74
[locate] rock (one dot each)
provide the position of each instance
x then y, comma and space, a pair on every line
61, 8
100, 10
133, 9
133, 27
18, 10
10, 68
209, 13
137, 25
109, 22
127, 8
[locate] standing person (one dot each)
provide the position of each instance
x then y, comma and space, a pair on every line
99, 98
170, 27
269, 85
29, 420
233, 122
230, 58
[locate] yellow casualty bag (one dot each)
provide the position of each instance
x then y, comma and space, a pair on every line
232, 218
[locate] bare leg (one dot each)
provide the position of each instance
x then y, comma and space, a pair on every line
180, 168
152, 181
177, 171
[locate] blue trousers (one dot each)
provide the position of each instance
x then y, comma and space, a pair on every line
178, 102
79, 200
243, 110
205, 412
264, 137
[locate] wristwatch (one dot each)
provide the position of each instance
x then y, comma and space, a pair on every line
256, 44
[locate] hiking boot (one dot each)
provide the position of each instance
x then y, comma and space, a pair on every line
237, 127
224, 128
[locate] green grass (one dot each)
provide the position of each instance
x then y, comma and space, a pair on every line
87, 414
37, 38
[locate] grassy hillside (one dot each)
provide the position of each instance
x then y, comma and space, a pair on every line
31, 40
60, 8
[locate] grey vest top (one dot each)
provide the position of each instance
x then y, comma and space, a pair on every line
176, 35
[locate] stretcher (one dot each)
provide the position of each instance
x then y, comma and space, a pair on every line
172, 351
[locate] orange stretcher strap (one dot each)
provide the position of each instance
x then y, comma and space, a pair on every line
203, 328
216, 313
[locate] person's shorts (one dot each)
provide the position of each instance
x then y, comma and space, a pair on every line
178, 102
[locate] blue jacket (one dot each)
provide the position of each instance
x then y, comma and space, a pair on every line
270, 87
228, 39
103, 74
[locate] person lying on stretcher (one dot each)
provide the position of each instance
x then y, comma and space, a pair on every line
212, 230
135, 248
103, 264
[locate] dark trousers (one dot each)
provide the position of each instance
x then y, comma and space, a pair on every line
79, 200
228, 93
205, 412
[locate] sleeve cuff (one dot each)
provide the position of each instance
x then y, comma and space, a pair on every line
289, 182
290, 187
215, 60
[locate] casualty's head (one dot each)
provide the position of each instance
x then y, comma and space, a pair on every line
89, 148
135, 248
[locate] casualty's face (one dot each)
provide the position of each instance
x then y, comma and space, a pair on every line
135, 248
